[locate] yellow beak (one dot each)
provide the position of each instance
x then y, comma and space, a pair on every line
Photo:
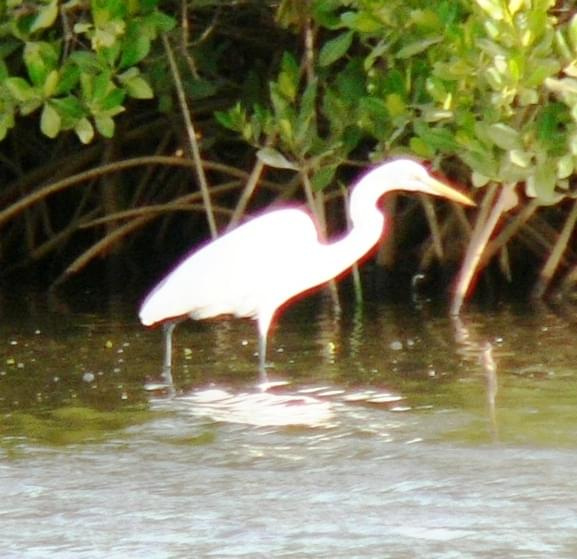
441, 189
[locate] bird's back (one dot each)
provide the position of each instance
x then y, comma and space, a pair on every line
251, 270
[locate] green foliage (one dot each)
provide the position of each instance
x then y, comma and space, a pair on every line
75, 66
490, 82
293, 118
487, 86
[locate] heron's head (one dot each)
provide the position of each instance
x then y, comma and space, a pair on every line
407, 174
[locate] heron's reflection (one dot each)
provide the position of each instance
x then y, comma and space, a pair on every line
474, 348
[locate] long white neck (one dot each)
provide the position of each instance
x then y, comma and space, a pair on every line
367, 227
363, 210
324, 261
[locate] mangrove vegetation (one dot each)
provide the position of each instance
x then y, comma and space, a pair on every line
132, 130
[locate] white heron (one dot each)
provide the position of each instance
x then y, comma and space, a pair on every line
256, 268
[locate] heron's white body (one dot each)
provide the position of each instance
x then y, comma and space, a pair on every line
256, 268
220, 278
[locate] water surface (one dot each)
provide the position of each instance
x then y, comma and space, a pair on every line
393, 438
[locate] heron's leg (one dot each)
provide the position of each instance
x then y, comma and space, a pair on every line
167, 330
263, 377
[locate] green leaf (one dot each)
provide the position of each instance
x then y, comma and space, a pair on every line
82, 27
350, 82
336, 110
493, 8
379, 51
480, 162
520, 158
351, 137
129, 74
106, 11
417, 47
87, 86
565, 166
374, 107
40, 58
161, 22
562, 45
68, 79
4, 72
541, 184
515, 6
325, 13
104, 125
224, 118
305, 131
233, 119
20, 89
112, 101
84, 130
50, 121
273, 158
309, 99
201, 88
105, 37
435, 87
335, 49
28, 107
436, 138
419, 147
396, 105
504, 136
286, 131
87, 61
572, 32
101, 85
288, 80
363, 22
323, 177
541, 70
139, 88
69, 108
279, 102
135, 48
50, 83
3, 129
110, 54
549, 121
46, 16
6, 123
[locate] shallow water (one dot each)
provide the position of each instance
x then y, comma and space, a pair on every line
393, 437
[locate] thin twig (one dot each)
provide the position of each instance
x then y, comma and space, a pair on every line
184, 36
193, 143
183, 203
486, 223
433, 222
357, 283
246, 194
455, 225
49, 245
317, 207
552, 263
101, 247
52, 188
509, 231
387, 247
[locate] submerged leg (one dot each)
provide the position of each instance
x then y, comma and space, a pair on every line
264, 383
263, 377
167, 330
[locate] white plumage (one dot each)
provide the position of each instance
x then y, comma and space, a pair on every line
256, 268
